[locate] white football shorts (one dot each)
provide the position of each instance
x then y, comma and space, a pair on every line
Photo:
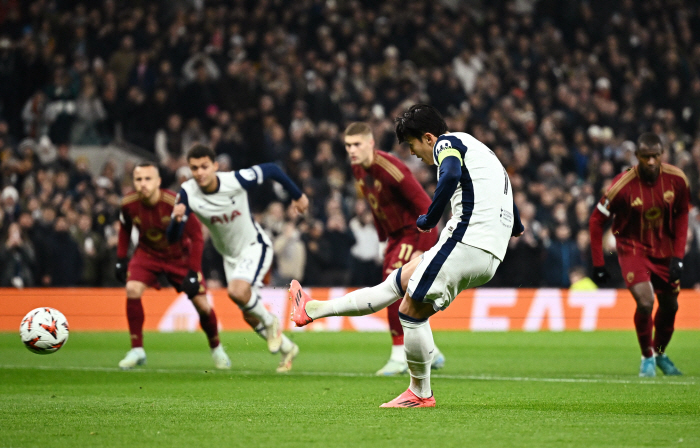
250, 265
449, 268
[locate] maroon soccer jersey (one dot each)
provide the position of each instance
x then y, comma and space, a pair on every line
152, 221
649, 220
395, 196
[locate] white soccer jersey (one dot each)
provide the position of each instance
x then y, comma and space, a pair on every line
226, 212
482, 204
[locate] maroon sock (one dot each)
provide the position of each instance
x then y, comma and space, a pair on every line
664, 323
211, 327
394, 323
643, 324
134, 314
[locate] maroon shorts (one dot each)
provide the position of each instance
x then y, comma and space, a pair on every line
640, 269
399, 250
146, 269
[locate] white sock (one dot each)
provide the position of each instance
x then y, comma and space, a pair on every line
419, 344
398, 353
287, 344
358, 303
255, 308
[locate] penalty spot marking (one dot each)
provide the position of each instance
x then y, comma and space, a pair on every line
358, 375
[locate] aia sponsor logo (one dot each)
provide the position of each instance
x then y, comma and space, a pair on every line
224, 219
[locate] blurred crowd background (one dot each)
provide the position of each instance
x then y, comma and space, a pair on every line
559, 89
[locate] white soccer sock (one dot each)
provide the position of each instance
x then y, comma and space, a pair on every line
419, 344
287, 344
398, 353
255, 308
358, 303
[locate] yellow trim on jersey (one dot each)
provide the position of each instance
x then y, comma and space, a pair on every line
449, 152
624, 180
670, 169
168, 198
129, 198
389, 168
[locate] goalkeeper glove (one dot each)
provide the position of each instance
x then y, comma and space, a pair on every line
120, 269
191, 283
600, 275
675, 269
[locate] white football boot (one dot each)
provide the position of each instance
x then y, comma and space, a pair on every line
393, 367
274, 335
287, 359
134, 357
221, 359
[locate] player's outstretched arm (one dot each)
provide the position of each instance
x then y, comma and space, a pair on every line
181, 211
121, 267
450, 172
259, 173
518, 227
595, 226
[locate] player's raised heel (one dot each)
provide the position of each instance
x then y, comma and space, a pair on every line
666, 365
648, 367
299, 299
393, 368
134, 357
287, 360
274, 335
410, 400
221, 359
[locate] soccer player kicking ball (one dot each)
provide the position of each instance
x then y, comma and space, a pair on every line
396, 199
149, 209
470, 248
220, 200
649, 207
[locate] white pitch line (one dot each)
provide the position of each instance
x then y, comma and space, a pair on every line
359, 375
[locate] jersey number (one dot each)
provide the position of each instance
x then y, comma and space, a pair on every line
405, 252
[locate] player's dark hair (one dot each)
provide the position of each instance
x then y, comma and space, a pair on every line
199, 150
417, 121
649, 139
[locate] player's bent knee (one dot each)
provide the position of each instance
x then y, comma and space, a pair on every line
201, 304
135, 289
416, 309
239, 292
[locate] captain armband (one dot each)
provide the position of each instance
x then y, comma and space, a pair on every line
448, 152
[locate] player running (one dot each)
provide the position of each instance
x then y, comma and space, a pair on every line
649, 207
220, 200
396, 199
149, 209
470, 248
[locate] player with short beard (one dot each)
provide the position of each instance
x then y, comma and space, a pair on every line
220, 200
149, 209
649, 207
396, 199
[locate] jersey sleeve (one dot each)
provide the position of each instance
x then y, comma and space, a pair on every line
448, 146
680, 219
411, 192
125, 225
175, 229
257, 174
605, 208
193, 232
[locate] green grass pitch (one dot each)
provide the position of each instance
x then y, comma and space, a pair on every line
498, 389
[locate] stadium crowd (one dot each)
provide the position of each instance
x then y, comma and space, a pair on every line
560, 90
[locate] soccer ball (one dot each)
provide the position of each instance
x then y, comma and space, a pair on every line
44, 330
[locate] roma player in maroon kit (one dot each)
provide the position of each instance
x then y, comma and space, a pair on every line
149, 208
649, 207
396, 199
